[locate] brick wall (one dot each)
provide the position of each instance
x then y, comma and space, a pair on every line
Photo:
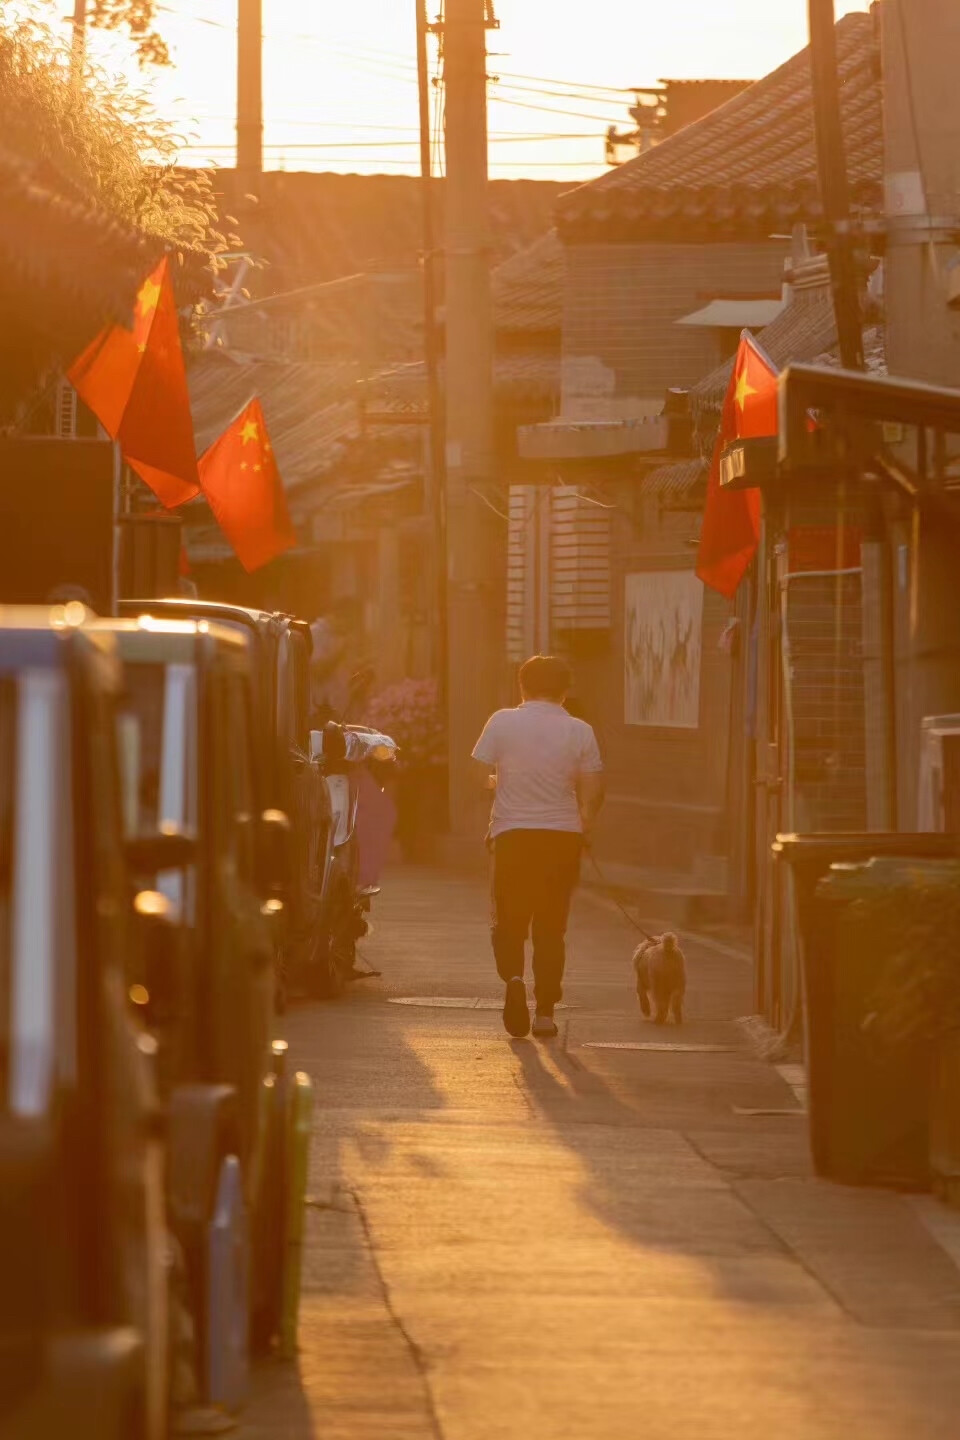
622, 348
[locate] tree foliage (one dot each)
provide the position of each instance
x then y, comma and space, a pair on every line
102, 140
138, 18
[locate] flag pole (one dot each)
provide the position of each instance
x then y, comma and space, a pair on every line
119, 510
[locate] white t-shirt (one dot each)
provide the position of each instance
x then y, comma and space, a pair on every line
539, 753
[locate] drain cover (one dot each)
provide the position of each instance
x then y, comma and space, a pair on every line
455, 1002
660, 1046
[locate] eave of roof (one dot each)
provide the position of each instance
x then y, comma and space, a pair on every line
734, 314
65, 247
678, 485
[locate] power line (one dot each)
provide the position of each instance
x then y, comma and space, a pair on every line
551, 110
584, 95
549, 80
385, 61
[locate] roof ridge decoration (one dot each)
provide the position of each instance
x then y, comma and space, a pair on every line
748, 169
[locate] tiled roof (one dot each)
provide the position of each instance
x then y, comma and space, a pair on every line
528, 288
311, 408
67, 267
374, 318
52, 237
311, 227
205, 543
749, 167
377, 317
312, 404
805, 332
676, 485
527, 377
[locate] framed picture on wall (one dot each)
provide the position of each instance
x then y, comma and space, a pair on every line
663, 621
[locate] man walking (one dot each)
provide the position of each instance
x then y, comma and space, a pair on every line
548, 790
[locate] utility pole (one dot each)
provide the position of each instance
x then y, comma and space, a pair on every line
834, 189
436, 497
921, 49
250, 92
475, 549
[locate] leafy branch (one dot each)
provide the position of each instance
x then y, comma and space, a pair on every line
101, 140
138, 18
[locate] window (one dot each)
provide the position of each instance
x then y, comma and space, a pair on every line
157, 725
141, 737
157, 729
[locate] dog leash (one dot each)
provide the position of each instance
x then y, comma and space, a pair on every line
612, 895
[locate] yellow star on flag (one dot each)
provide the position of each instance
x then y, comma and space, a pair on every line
258, 467
744, 389
249, 431
148, 298
244, 465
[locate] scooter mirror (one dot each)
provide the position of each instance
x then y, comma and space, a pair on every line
334, 742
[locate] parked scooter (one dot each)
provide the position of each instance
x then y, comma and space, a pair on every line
280, 657
355, 763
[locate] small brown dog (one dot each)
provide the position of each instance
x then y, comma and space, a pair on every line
661, 978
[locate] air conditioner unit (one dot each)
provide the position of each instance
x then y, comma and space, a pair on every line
938, 801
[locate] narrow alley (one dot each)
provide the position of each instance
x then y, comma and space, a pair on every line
612, 1234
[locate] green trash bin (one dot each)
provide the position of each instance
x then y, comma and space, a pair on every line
860, 926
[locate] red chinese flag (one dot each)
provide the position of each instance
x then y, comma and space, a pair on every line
731, 520
135, 383
240, 479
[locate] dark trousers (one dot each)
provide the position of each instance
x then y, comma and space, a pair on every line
535, 873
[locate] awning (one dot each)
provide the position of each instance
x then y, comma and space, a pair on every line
583, 439
735, 314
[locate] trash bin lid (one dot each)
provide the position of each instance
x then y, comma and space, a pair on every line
903, 875
852, 846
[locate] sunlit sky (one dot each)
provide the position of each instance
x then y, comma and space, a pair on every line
340, 81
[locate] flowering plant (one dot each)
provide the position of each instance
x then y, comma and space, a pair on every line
409, 712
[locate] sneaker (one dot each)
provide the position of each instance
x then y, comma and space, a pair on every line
544, 1027
516, 1016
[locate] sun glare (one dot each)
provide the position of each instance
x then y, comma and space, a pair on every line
340, 82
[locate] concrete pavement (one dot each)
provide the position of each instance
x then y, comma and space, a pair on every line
577, 1241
